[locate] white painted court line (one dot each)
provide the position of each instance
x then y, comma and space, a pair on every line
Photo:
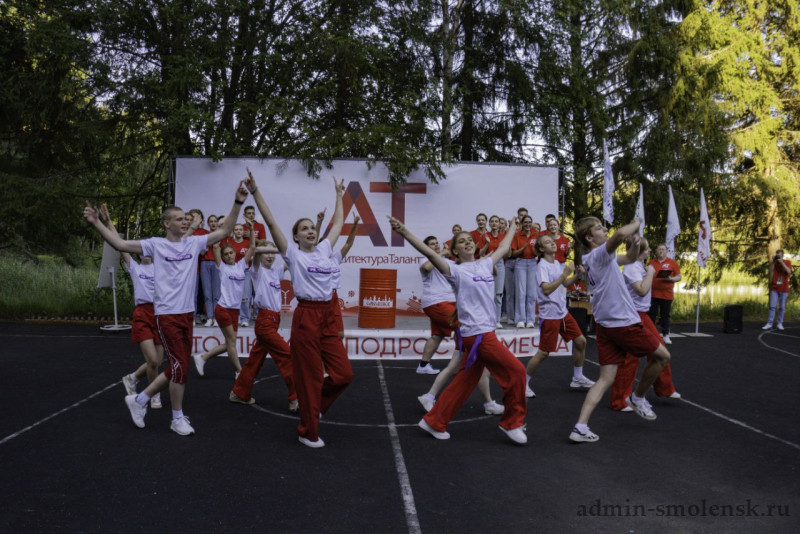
775, 333
726, 418
412, 521
68, 408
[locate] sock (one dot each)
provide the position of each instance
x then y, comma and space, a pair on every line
635, 397
423, 363
142, 399
528, 381
581, 427
177, 414
133, 377
577, 372
430, 396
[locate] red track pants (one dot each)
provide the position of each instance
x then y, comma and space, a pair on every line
268, 340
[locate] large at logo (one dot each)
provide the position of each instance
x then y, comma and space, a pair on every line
354, 197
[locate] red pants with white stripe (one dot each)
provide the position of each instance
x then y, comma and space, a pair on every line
626, 374
315, 340
505, 368
176, 332
268, 340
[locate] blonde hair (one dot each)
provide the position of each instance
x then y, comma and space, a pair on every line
583, 228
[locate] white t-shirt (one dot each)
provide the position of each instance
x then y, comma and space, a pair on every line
474, 286
175, 270
436, 288
632, 273
611, 304
311, 272
267, 281
337, 273
144, 282
554, 305
231, 284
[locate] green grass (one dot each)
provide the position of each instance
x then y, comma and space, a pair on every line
54, 290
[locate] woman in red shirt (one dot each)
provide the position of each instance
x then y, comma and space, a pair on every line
779, 271
522, 248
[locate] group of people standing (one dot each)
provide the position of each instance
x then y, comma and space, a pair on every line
462, 296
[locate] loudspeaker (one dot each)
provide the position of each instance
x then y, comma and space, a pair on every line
581, 316
732, 323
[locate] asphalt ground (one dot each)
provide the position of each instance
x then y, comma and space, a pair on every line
722, 459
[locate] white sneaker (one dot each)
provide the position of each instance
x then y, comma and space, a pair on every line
675, 395
199, 364
586, 436
423, 424
626, 409
210, 323
520, 325
529, 325
181, 426
130, 381
427, 402
244, 324
214, 322
294, 406
493, 408
155, 401
581, 383
517, 435
233, 397
137, 412
779, 326
529, 392
313, 444
766, 327
642, 408
498, 326
667, 340
427, 369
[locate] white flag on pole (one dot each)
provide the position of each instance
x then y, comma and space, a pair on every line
608, 187
704, 235
640, 210
673, 225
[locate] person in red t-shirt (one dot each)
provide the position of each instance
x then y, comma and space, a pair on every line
563, 245
209, 277
456, 229
780, 270
196, 219
525, 277
667, 273
479, 235
259, 229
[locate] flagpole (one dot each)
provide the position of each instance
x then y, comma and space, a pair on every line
697, 318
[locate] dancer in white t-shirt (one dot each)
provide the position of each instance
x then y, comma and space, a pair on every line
315, 340
144, 329
232, 276
175, 270
439, 304
473, 283
554, 278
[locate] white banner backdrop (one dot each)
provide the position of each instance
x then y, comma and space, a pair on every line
426, 208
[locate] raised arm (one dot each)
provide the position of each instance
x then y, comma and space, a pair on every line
318, 226
90, 213
350, 238
505, 244
549, 287
338, 217
437, 261
619, 237
575, 277
230, 220
217, 249
274, 229
642, 287
107, 218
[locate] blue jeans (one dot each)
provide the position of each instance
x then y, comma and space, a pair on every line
526, 282
510, 266
779, 300
499, 286
209, 278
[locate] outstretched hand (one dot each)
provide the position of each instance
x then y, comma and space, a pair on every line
104, 216
90, 213
250, 181
396, 225
321, 215
241, 192
339, 186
